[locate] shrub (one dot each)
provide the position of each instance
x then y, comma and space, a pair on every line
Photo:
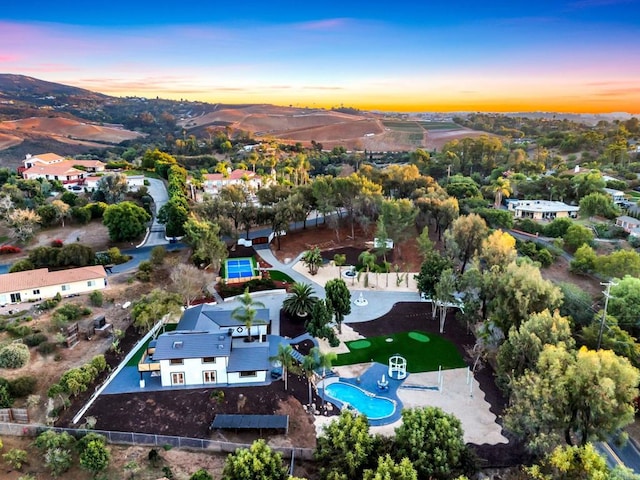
634, 241
99, 363
22, 386
18, 331
96, 298
5, 397
50, 302
9, 249
116, 256
15, 458
34, 339
158, 255
14, 355
144, 271
22, 266
46, 348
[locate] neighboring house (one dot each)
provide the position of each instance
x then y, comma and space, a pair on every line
133, 181
208, 347
63, 171
628, 224
212, 183
94, 166
541, 209
45, 159
616, 195
42, 159
33, 285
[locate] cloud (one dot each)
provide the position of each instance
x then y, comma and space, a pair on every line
619, 92
328, 24
318, 87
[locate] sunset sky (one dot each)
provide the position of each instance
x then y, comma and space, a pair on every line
550, 55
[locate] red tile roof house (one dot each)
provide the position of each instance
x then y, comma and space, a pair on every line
40, 284
54, 167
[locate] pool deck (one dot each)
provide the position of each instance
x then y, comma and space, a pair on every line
368, 381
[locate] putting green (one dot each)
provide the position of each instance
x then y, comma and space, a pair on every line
358, 344
419, 337
441, 353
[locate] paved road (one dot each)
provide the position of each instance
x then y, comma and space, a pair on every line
158, 191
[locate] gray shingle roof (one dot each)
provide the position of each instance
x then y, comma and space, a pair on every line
213, 318
250, 358
174, 345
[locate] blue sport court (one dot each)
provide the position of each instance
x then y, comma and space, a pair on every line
239, 268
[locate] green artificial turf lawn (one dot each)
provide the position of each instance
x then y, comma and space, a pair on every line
421, 356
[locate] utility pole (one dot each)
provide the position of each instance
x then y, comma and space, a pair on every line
607, 294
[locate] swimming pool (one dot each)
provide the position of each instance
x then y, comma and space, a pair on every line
368, 404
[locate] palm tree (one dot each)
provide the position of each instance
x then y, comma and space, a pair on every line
368, 260
246, 313
500, 188
301, 300
312, 259
285, 358
324, 361
309, 366
339, 259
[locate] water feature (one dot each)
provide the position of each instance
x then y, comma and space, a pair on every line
361, 301
374, 407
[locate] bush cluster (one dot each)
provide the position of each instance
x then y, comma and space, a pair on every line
77, 380
34, 339
535, 252
14, 355
9, 249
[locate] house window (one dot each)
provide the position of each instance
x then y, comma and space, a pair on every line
177, 378
36, 291
16, 298
248, 374
209, 376
176, 361
91, 283
65, 288
209, 360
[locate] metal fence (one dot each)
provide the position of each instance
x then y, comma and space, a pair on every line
133, 438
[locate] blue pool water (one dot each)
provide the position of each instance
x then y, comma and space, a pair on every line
370, 405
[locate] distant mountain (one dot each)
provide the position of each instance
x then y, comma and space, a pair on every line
23, 88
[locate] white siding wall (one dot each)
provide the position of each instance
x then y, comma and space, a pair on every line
74, 288
193, 369
234, 377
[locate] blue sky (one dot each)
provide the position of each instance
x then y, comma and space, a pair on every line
579, 55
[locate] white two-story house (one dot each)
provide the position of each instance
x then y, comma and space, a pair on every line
210, 347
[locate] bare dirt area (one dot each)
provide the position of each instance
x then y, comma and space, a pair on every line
69, 128
325, 238
559, 272
7, 141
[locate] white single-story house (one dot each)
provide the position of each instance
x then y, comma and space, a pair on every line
209, 347
133, 181
616, 195
541, 209
628, 224
40, 284
214, 182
